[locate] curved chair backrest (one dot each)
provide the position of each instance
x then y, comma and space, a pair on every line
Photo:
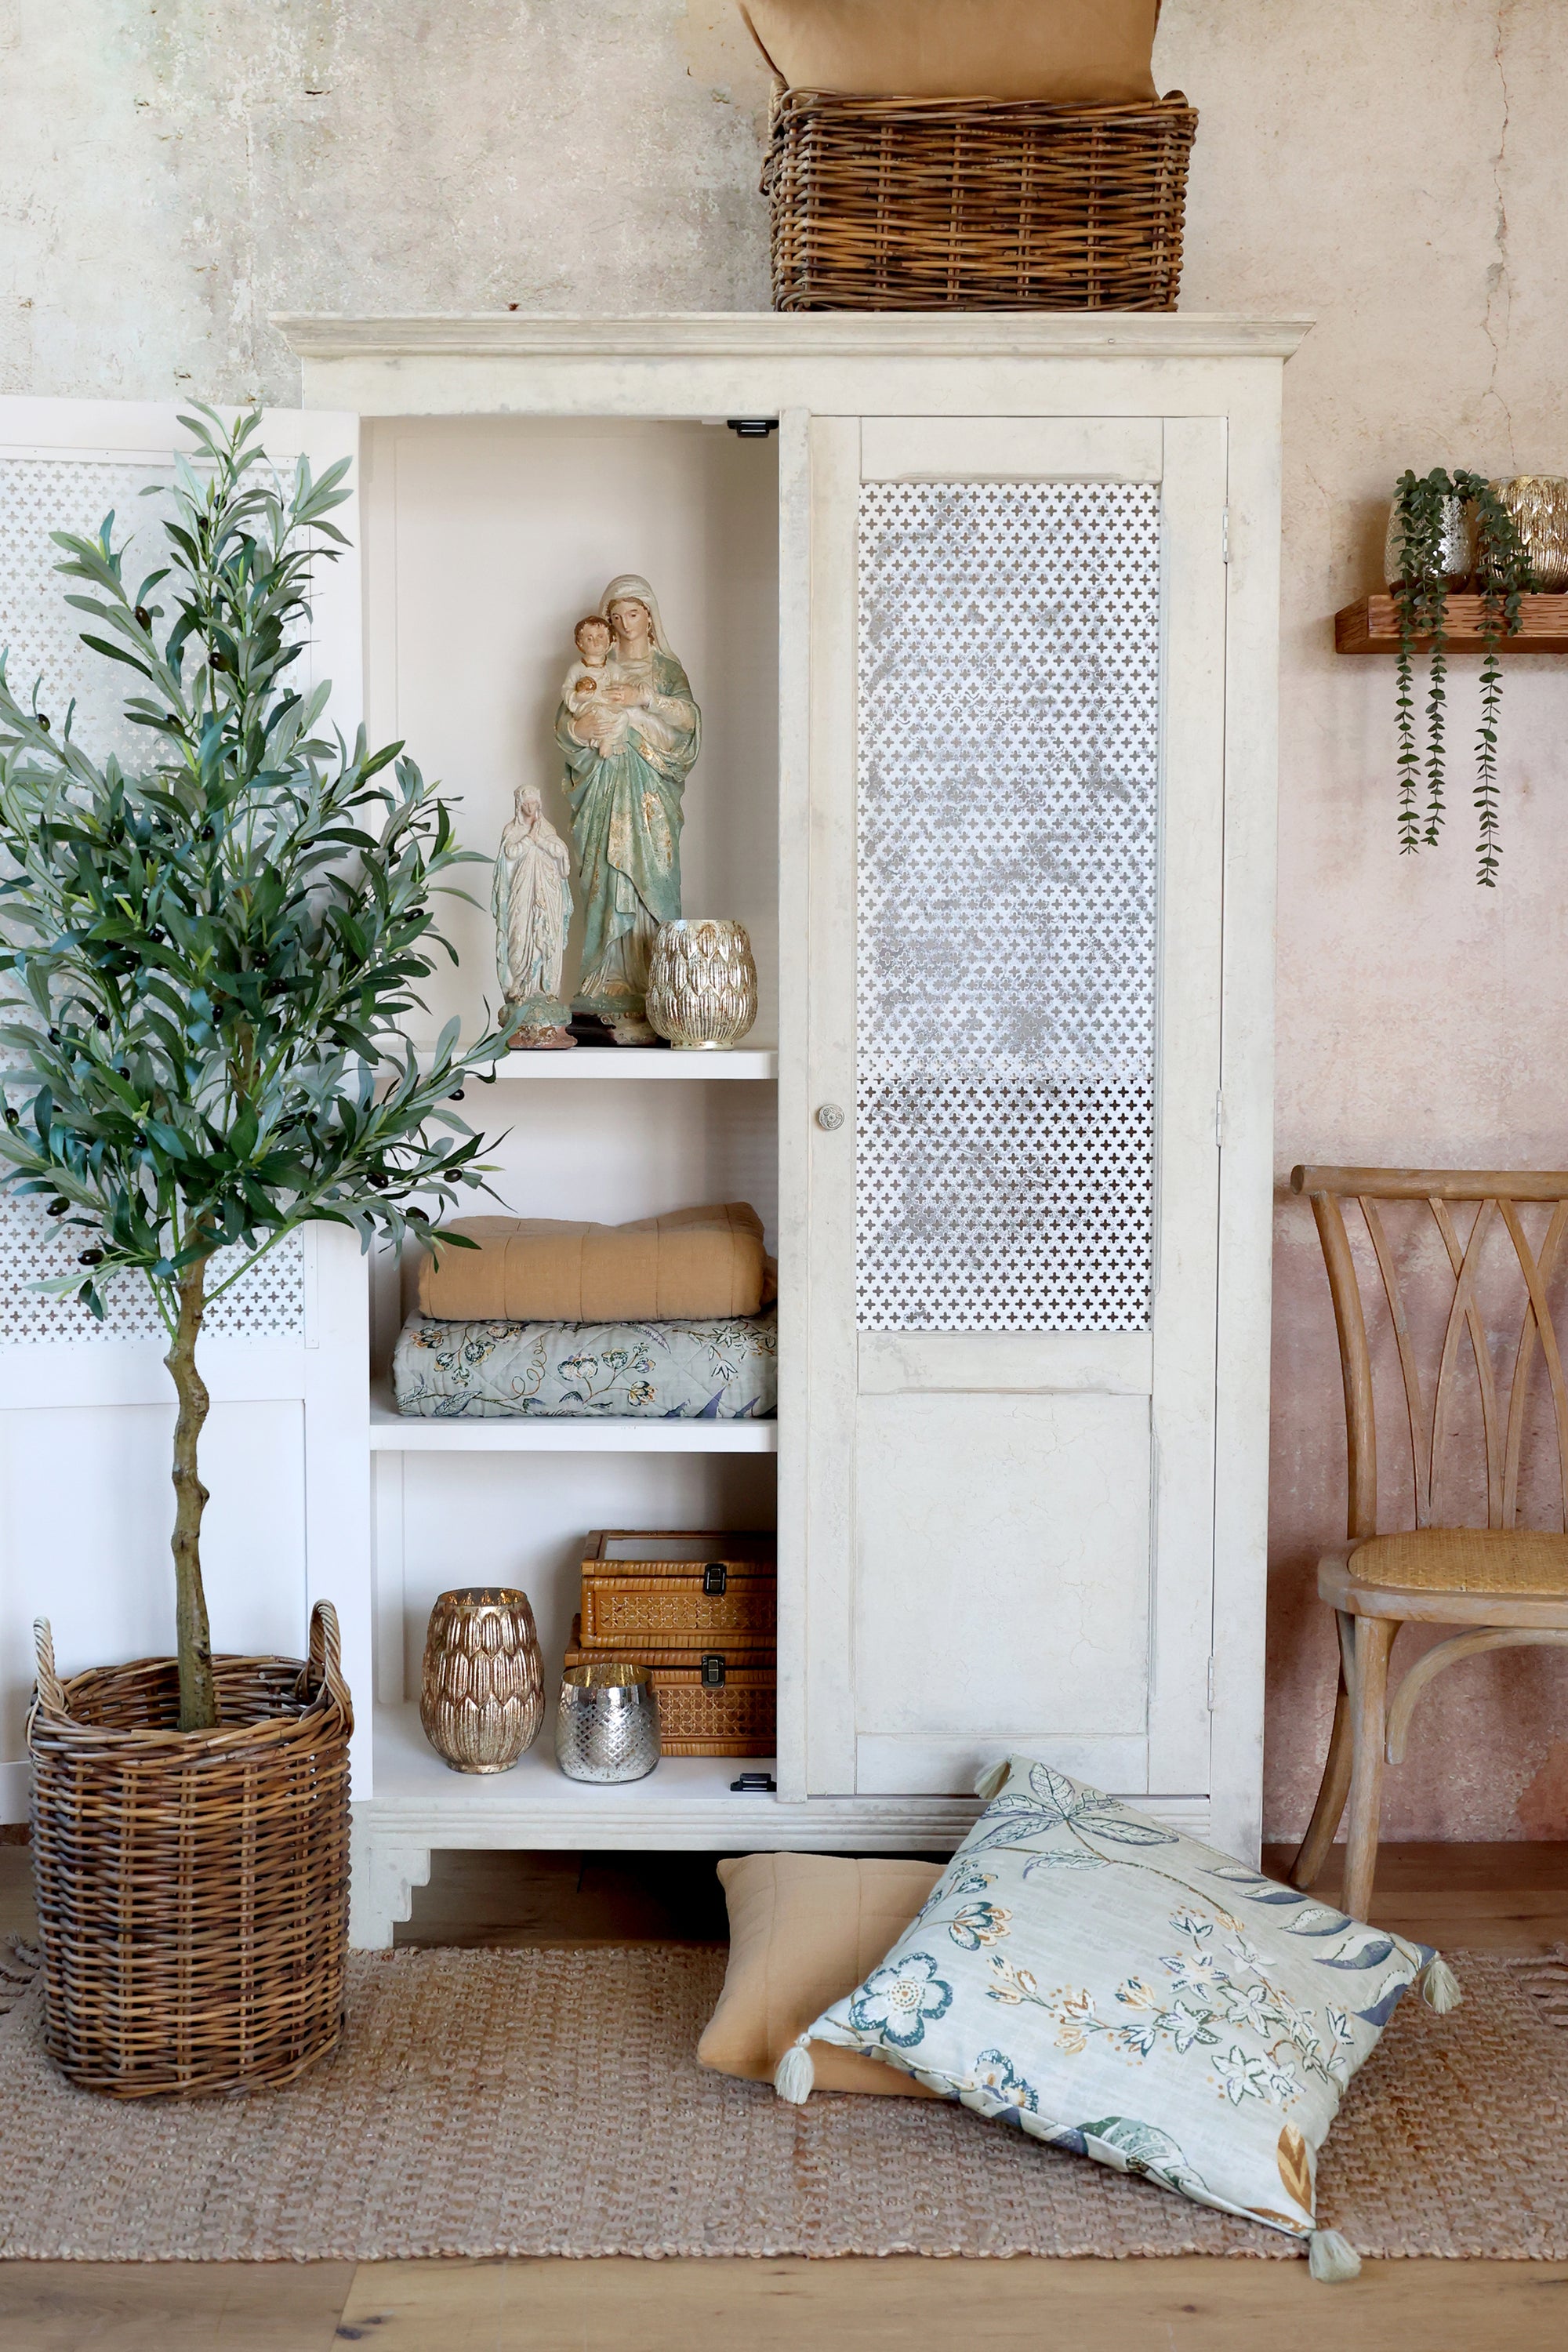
1497, 1197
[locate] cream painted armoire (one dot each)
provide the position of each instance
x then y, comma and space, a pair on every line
981, 612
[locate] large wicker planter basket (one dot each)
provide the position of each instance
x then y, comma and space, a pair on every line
191, 1886
970, 204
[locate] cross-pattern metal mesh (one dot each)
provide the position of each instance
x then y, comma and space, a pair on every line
41, 630
1007, 827
42, 633
269, 1303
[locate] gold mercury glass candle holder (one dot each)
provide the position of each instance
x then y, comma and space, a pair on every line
702, 984
481, 1694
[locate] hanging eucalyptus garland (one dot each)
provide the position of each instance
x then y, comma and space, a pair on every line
1420, 600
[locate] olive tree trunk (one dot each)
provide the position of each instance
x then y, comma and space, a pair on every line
198, 1697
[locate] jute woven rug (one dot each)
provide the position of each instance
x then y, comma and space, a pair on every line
548, 2102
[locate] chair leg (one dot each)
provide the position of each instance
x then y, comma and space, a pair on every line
1373, 1640
1313, 1851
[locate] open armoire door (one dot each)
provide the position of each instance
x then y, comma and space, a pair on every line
86, 1408
1012, 966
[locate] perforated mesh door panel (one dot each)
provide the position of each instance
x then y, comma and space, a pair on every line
42, 632
269, 1303
37, 496
1008, 762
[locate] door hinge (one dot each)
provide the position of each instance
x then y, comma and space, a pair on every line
1219, 1122
1225, 534
1211, 1699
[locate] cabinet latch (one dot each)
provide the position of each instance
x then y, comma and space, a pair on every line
715, 1578
713, 1670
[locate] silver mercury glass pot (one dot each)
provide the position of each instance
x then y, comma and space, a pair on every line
607, 1725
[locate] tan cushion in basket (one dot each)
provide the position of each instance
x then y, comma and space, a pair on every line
690, 1266
1071, 52
805, 1928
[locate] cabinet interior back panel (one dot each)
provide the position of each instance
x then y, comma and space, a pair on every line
1007, 807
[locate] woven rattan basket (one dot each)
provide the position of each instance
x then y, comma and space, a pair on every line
735, 1715
191, 1886
679, 1590
970, 204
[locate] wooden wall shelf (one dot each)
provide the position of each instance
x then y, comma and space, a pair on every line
1373, 627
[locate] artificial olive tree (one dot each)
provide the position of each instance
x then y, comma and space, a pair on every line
209, 961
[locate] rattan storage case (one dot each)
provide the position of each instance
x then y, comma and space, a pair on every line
974, 204
679, 1589
710, 1704
192, 1886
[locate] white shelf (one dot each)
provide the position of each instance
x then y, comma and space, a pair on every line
585, 1064
686, 1801
392, 1432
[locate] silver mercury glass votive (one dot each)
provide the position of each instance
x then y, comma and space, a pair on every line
606, 1726
1455, 544
702, 984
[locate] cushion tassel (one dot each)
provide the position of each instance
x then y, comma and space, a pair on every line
1439, 1986
993, 1779
794, 2073
1332, 2258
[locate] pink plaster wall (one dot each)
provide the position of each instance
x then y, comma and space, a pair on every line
1397, 171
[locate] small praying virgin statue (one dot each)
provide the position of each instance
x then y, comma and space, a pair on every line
630, 732
532, 904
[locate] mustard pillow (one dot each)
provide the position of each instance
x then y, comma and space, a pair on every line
804, 1930
1071, 52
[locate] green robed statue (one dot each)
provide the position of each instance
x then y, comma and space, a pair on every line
630, 732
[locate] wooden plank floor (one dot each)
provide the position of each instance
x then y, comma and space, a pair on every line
1502, 1898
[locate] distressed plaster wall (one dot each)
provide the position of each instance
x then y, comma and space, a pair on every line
173, 171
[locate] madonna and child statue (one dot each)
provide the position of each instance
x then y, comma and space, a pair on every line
629, 733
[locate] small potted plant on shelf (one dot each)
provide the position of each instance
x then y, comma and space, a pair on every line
1442, 526
206, 964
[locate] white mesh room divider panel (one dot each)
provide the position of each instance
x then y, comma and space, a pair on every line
39, 630
1009, 768
42, 634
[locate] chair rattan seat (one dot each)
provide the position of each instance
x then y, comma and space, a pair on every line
1464, 1559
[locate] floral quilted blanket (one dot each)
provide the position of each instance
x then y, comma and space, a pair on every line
724, 1370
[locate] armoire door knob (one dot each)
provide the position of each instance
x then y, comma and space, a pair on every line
829, 1116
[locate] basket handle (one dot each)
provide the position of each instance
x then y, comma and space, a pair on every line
51, 1690
325, 1663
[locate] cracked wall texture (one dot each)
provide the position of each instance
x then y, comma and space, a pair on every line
173, 172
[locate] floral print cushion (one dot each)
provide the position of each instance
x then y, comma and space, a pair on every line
722, 1370
1114, 1989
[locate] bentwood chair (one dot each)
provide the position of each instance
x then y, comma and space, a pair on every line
1503, 1584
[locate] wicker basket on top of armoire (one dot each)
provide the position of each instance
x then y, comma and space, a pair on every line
969, 204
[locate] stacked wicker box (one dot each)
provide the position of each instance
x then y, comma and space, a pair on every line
697, 1609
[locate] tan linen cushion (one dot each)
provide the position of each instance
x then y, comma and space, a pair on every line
1071, 52
805, 1928
690, 1266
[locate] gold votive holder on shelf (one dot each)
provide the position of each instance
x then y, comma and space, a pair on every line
1539, 504
481, 1694
702, 984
